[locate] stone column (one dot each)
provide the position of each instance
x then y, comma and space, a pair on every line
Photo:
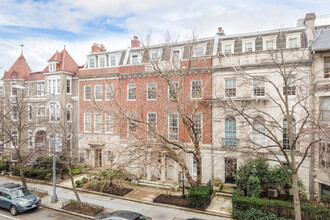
163, 169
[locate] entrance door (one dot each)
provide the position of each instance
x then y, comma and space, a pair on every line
98, 157
230, 169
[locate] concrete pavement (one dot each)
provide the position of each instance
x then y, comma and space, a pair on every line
157, 212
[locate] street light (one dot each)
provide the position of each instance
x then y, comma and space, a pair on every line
54, 196
254, 170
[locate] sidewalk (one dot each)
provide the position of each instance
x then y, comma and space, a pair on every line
139, 200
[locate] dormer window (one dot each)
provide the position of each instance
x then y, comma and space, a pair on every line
52, 67
135, 58
177, 53
269, 42
102, 61
248, 45
228, 46
113, 61
293, 40
91, 62
155, 55
200, 50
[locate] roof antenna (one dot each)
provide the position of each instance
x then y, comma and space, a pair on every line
22, 45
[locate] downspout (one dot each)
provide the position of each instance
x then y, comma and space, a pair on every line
312, 166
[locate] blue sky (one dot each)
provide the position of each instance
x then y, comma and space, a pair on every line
44, 26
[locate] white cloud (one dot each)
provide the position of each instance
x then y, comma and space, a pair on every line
136, 17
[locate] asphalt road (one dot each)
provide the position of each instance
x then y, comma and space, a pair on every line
40, 213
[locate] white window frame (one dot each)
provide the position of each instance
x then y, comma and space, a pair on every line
85, 126
128, 88
159, 53
228, 42
117, 59
89, 62
180, 49
155, 86
248, 40
191, 89
12, 137
54, 84
12, 113
131, 123
170, 97
269, 38
85, 99
13, 89
69, 108
29, 108
108, 92
259, 91
30, 139
172, 134
288, 37
99, 61
108, 123
148, 121
95, 92
68, 86
96, 128
324, 110
41, 87
42, 110
224, 86
57, 112
200, 114
52, 66
194, 166
203, 47
139, 58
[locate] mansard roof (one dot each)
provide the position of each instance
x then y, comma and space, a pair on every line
64, 62
322, 40
19, 70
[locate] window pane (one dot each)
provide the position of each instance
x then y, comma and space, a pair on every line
152, 91
173, 127
196, 89
230, 132
131, 91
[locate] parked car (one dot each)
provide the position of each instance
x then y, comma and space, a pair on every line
17, 198
122, 215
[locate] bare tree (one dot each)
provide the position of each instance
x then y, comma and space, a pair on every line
277, 121
17, 118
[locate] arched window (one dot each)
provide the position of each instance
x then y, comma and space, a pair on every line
69, 112
230, 131
57, 112
258, 131
286, 144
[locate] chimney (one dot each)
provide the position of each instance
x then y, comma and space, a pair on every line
220, 32
135, 42
309, 21
96, 48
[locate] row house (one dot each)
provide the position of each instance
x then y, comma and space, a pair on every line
28, 114
123, 83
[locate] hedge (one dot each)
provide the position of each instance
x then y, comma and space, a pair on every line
256, 214
280, 208
199, 197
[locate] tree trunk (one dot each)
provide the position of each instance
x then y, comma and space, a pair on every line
296, 199
73, 185
21, 173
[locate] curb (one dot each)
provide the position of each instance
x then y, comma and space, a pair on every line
68, 212
129, 199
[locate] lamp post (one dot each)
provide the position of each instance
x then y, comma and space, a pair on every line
254, 170
182, 176
54, 197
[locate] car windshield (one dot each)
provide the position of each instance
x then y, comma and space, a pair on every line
20, 193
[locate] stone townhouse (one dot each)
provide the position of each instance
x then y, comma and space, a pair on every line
36, 108
320, 71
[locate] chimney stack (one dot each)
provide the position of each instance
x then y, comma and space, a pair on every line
96, 48
135, 42
220, 31
309, 21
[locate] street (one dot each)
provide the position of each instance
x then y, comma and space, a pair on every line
40, 213
113, 204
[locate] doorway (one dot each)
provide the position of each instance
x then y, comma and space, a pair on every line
98, 157
230, 170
